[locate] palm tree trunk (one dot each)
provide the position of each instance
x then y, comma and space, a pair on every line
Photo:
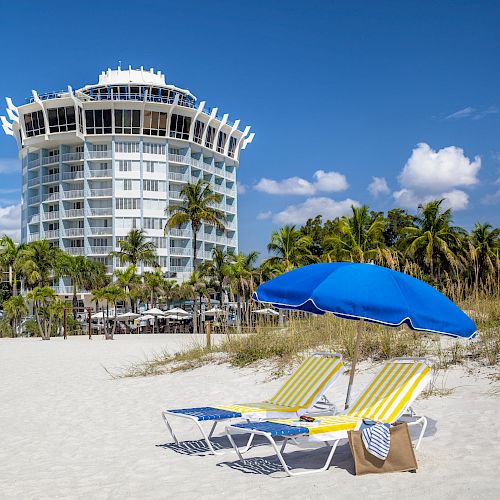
195, 232
14, 281
195, 315
238, 313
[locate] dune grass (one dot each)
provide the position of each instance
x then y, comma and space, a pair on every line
303, 335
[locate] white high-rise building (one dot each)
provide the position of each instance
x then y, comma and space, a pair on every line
109, 157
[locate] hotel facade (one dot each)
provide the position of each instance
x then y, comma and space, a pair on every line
107, 158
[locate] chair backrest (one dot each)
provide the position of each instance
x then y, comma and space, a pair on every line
311, 380
392, 390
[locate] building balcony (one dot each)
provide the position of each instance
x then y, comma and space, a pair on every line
75, 250
175, 176
101, 173
100, 230
51, 215
99, 155
34, 182
180, 251
33, 237
100, 193
69, 157
52, 234
100, 250
51, 196
72, 232
100, 212
50, 178
180, 269
34, 163
175, 195
180, 233
34, 219
34, 200
48, 160
74, 213
73, 193
77, 174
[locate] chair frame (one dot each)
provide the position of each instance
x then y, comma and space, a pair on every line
321, 407
407, 415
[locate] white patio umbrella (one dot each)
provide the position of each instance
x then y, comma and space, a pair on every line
177, 313
266, 311
214, 310
154, 312
99, 315
127, 315
147, 317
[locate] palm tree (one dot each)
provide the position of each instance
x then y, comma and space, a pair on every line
129, 281
154, 284
38, 261
98, 296
486, 248
113, 294
15, 308
218, 269
291, 247
9, 254
42, 298
359, 238
433, 240
136, 248
241, 273
192, 288
197, 207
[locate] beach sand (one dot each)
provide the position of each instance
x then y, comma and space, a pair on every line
68, 430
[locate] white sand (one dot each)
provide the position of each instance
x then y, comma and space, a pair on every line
70, 431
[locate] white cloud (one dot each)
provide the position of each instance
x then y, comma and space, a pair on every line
435, 171
10, 221
455, 199
323, 182
9, 165
328, 208
377, 186
330, 182
241, 188
462, 113
264, 215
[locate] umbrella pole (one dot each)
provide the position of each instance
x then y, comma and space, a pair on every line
353, 364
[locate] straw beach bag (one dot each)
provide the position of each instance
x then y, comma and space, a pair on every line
401, 456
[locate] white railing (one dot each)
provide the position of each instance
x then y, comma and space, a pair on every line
100, 250
50, 178
34, 163
51, 215
74, 212
97, 155
76, 174
100, 230
33, 237
180, 269
101, 192
100, 211
75, 250
175, 176
73, 193
50, 159
180, 251
231, 175
34, 200
52, 234
176, 195
230, 208
34, 181
208, 237
206, 255
51, 196
179, 158
74, 231
72, 157
101, 173
182, 233
34, 219
221, 239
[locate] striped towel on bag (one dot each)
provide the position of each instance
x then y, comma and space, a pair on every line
377, 440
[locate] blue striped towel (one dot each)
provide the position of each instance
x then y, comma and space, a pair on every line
377, 440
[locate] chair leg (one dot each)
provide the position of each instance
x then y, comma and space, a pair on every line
422, 432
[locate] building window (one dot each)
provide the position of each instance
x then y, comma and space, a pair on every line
80, 120
209, 141
150, 166
34, 124
124, 165
127, 184
154, 149
155, 123
98, 121
221, 142
62, 119
232, 146
128, 203
127, 121
150, 185
153, 223
179, 126
199, 127
127, 147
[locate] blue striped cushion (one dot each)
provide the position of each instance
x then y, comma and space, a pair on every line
273, 428
207, 413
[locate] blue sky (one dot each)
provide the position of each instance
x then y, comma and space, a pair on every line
336, 92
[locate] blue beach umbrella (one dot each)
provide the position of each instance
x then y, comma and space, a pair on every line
366, 292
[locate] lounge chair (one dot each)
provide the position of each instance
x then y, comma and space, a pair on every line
304, 392
387, 398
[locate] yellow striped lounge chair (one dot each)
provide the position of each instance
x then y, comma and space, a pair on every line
304, 392
387, 398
